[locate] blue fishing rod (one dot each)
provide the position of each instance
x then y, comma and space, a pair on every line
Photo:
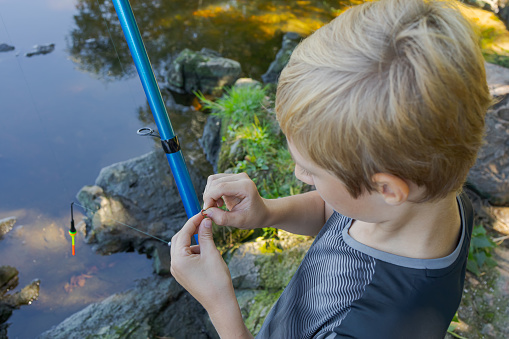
169, 140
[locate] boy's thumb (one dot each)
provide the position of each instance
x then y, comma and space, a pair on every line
205, 237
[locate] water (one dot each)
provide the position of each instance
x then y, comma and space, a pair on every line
67, 114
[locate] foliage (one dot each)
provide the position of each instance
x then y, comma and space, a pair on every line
454, 324
493, 35
261, 307
253, 143
479, 254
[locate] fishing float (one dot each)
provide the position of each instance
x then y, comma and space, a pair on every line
72, 230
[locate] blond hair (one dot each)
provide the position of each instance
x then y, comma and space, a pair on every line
393, 86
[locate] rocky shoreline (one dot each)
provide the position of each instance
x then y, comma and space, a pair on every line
142, 191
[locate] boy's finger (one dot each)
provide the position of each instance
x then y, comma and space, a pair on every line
186, 233
231, 189
225, 218
195, 249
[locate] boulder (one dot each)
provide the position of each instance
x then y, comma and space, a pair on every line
156, 307
6, 225
6, 48
24, 297
490, 174
141, 193
211, 140
8, 279
290, 41
9, 302
162, 259
41, 50
243, 269
205, 71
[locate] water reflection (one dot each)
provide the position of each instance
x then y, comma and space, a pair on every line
77, 125
243, 30
42, 248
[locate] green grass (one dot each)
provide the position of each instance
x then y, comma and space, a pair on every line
253, 143
259, 147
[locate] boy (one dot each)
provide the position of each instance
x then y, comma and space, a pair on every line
383, 109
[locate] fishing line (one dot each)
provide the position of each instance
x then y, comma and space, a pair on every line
121, 223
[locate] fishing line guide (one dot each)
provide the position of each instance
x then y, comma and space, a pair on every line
169, 146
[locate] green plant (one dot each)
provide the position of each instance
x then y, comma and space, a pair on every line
454, 324
479, 254
249, 126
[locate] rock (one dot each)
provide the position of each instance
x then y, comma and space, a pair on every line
211, 140
290, 41
205, 71
501, 222
5, 313
6, 48
41, 50
6, 225
156, 307
9, 302
8, 279
141, 193
243, 269
490, 174
246, 82
162, 259
484, 309
25, 297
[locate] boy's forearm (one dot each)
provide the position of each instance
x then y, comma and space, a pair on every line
300, 214
228, 322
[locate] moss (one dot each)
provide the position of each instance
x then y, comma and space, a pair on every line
278, 268
262, 304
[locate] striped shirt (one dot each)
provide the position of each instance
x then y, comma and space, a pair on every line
345, 289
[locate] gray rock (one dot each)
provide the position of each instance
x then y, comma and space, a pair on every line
490, 174
162, 259
290, 41
6, 225
156, 307
243, 268
8, 279
246, 82
24, 297
141, 193
205, 71
211, 140
6, 48
9, 302
41, 50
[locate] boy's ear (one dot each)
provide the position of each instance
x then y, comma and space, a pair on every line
394, 189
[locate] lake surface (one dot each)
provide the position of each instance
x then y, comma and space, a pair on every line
67, 114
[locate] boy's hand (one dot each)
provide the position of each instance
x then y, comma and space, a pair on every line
200, 269
246, 208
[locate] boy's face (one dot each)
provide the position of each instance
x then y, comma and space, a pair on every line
334, 192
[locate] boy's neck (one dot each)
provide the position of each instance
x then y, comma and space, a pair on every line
419, 230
